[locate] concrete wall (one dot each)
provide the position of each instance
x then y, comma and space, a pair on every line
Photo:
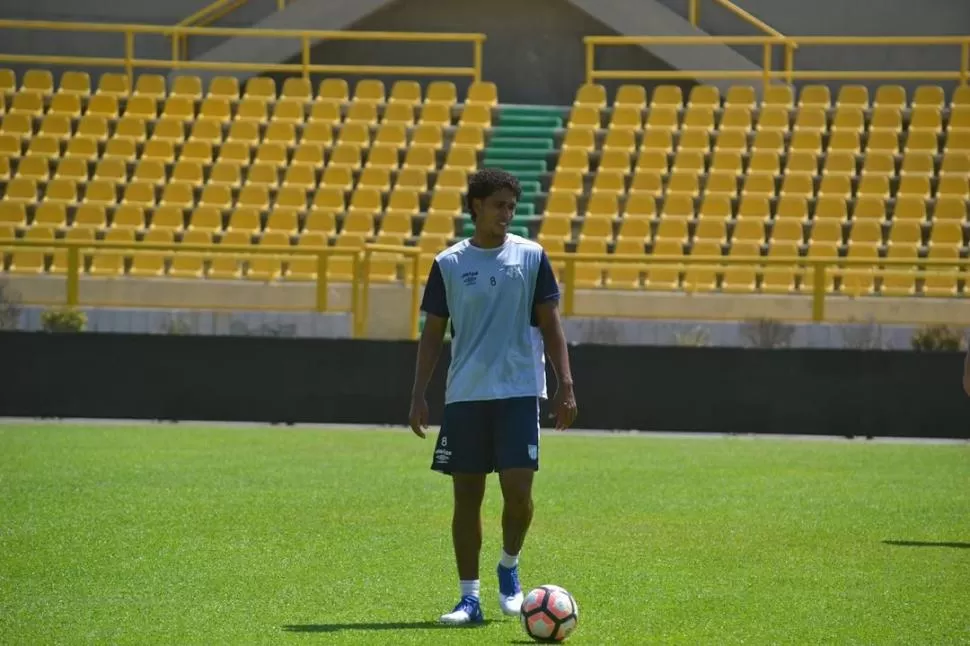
844, 18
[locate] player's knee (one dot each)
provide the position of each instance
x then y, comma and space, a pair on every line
469, 491
517, 493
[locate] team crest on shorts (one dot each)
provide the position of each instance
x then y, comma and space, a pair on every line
533, 452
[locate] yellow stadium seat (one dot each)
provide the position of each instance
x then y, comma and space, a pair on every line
698, 140
439, 224
773, 119
779, 279
740, 96
245, 220
560, 204
567, 182
921, 141
398, 114
815, 96
263, 174
596, 227
35, 168
905, 233
15, 214
886, 119
435, 114
806, 163
748, 230
894, 95
860, 281
869, 208
66, 105
849, 118
786, 231
370, 91
383, 156
226, 266
475, 115
700, 278
45, 146
792, 207
954, 185
18, 125
939, 281
113, 85
705, 96
624, 276
741, 279
960, 96
10, 147
710, 229
634, 228
427, 135
8, 81
290, 198
448, 202
573, 159
768, 141
75, 84
304, 267
946, 234
463, 157
602, 205
663, 118
225, 174
216, 195
666, 276
362, 114
589, 274
721, 183
553, 227
338, 177
454, 179
260, 88
807, 141
754, 207
187, 264
358, 222
180, 195
684, 182
878, 163
251, 111
623, 118
206, 131
60, 191
810, 119
641, 205
102, 192
324, 112
151, 171
346, 155
128, 216
866, 233
853, 96
110, 263
828, 231
668, 96
90, 216
797, 185
321, 221
482, 93
611, 182
46, 215
443, 92
31, 261
188, 172
30, 104
268, 268
141, 107
331, 89
955, 163
308, 156
366, 199
591, 94
699, 117
300, 176
917, 164
727, 162
909, 207
634, 96
283, 133
178, 107
957, 140
949, 209
163, 151
622, 140
93, 127
397, 223
168, 218
831, 208
764, 162
914, 186
403, 201
736, 118
689, 161
149, 264
615, 160
256, 197
205, 220
317, 133
959, 118
672, 229
926, 118
899, 280
837, 185
82, 149
579, 138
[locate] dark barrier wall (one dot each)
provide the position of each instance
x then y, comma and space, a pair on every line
339, 381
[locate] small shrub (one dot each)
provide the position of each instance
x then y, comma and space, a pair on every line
63, 320
938, 338
767, 333
697, 337
9, 307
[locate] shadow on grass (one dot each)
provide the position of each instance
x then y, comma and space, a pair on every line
386, 625
963, 546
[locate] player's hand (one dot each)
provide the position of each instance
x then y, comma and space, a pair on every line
418, 417
564, 407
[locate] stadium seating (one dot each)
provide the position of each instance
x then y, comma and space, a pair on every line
811, 172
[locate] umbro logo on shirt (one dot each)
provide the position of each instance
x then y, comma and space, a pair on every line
469, 278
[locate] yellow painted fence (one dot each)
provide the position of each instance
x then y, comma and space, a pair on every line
960, 71
817, 270
307, 39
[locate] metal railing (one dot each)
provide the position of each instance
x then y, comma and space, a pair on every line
820, 270
359, 285
693, 15
129, 62
789, 74
211, 13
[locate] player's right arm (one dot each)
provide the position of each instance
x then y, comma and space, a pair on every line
435, 308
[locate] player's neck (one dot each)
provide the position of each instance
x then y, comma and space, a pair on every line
487, 241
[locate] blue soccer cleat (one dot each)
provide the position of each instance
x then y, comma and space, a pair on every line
466, 613
509, 590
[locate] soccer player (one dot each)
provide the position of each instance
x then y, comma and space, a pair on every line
966, 374
501, 297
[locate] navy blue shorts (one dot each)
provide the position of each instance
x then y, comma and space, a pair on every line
487, 436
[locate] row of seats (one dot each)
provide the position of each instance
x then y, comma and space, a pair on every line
811, 96
178, 110
264, 89
894, 281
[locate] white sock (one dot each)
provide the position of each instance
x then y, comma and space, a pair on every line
470, 588
509, 560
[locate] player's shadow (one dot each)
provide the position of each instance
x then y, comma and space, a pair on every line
373, 626
962, 546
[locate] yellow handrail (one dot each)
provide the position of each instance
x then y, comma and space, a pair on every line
361, 262
208, 15
961, 73
306, 38
693, 13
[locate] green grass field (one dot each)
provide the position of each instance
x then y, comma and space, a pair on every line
162, 534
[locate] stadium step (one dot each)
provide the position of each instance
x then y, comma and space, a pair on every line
524, 132
517, 153
533, 110
529, 175
521, 143
513, 164
529, 121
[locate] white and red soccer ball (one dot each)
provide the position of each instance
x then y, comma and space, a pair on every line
549, 613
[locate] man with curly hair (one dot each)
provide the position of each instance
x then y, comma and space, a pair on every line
501, 297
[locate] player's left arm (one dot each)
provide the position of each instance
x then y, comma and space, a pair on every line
546, 311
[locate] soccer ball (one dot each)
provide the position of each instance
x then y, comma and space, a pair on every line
549, 614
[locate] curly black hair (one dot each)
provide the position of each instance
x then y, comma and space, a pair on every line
488, 181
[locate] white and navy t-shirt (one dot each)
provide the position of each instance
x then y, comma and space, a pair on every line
490, 296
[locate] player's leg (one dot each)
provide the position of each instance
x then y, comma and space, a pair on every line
517, 460
463, 451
